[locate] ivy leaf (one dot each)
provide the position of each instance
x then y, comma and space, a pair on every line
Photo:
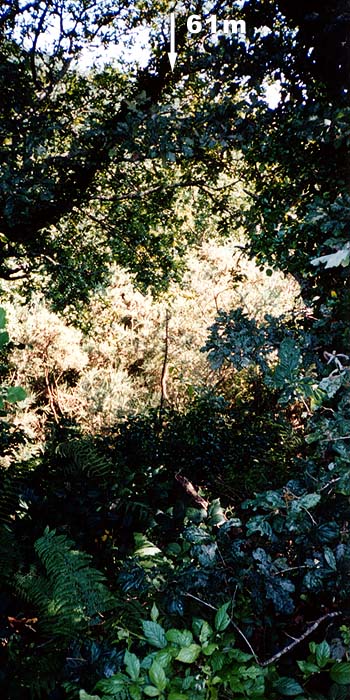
154, 634
132, 665
259, 524
288, 686
205, 553
340, 673
157, 676
327, 532
331, 384
330, 558
222, 619
343, 485
189, 654
196, 535
310, 500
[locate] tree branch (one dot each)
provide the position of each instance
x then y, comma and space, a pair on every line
293, 644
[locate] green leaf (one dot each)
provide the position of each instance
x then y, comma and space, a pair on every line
310, 500
196, 535
151, 691
132, 665
154, 634
208, 649
157, 676
2, 318
4, 338
85, 696
308, 668
343, 485
154, 613
164, 656
216, 515
113, 685
177, 696
288, 686
322, 653
330, 558
240, 656
205, 633
135, 692
340, 673
258, 523
14, 394
144, 548
189, 654
182, 638
222, 619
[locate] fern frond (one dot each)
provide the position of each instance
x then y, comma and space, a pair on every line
82, 458
79, 592
34, 589
72, 596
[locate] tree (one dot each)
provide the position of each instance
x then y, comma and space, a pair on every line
96, 166
73, 142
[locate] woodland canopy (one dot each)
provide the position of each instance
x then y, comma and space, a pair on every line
193, 544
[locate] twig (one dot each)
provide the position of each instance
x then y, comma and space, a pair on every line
292, 568
301, 639
208, 605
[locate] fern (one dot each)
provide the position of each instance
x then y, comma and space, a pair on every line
82, 458
72, 596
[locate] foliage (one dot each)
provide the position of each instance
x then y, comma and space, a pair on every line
8, 394
114, 368
118, 558
181, 663
205, 661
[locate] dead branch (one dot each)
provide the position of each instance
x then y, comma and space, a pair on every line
306, 634
189, 488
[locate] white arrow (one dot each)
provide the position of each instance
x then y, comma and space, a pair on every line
172, 55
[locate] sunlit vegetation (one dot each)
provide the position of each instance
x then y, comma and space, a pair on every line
174, 354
